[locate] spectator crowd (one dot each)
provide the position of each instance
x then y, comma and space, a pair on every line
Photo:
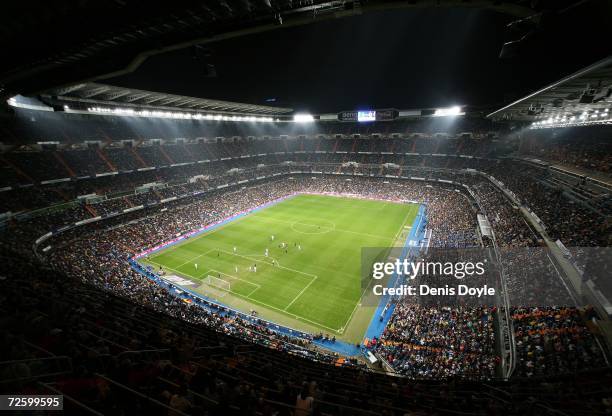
420, 341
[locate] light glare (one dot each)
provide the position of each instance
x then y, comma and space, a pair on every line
303, 118
450, 111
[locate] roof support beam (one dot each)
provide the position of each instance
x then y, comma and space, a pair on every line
116, 96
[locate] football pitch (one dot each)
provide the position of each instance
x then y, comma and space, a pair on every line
296, 263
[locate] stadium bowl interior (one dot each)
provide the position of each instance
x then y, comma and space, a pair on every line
205, 208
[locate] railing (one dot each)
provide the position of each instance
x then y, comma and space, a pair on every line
143, 396
507, 340
36, 368
548, 410
507, 323
82, 406
148, 355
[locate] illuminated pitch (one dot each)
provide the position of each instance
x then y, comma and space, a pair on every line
296, 263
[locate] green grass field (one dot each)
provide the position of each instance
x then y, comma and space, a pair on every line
315, 283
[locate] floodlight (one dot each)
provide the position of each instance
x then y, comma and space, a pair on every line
303, 118
450, 111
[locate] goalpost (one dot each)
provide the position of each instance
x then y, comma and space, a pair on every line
217, 282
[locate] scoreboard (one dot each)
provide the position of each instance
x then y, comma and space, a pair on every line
368, 115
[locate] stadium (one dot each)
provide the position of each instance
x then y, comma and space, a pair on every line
262, 207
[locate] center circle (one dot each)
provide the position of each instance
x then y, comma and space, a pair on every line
319, 227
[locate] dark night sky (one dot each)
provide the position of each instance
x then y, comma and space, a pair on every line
401, 58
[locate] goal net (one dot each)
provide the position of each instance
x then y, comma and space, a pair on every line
217, 282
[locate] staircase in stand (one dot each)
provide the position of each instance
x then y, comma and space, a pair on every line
61, 160
166, 155
91, 210
108, 163
138, 158
17, 169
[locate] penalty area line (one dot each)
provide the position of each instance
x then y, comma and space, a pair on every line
257, 286
301, 292
297, 317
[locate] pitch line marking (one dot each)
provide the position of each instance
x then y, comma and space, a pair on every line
262, 256
298, 317
300, 294
327, 228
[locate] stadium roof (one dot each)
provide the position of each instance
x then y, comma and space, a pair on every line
88, 94
48, 45
582, 93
